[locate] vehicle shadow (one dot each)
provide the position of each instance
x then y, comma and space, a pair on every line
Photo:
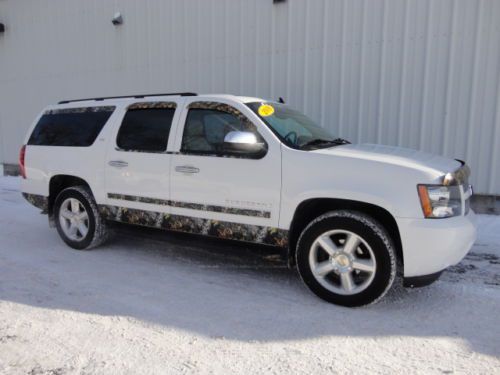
223, 290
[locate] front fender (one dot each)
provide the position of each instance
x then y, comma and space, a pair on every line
308, 175
290, 204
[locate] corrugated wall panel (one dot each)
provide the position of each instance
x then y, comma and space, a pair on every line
416, 73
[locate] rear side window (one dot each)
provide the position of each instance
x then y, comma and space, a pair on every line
145, 130
76, 127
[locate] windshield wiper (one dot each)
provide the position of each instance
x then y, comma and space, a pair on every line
341, 141
319, 141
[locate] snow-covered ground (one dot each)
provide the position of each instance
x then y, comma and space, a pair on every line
155, 303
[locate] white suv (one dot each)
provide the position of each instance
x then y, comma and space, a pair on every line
349, 216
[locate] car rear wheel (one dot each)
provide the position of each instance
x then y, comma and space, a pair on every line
346, 258
78, 220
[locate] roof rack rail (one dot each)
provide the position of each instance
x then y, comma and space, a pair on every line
129, 96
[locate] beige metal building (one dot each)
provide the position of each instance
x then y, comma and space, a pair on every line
418, 73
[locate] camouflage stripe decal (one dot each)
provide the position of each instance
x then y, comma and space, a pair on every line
192, 206
249, 125
221, 229
39, 201
108, 108
152, 105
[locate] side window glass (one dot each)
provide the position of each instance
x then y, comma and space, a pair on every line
205, 130
75, 127
145, 129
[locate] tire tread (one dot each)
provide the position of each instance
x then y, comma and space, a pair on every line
368, 221
101, 231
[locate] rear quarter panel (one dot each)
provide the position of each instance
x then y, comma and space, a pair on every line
44, 162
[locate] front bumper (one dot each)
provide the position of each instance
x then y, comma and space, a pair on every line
431, 245
419, 281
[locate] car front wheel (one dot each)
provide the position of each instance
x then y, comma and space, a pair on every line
346, 258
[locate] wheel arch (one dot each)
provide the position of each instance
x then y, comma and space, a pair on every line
311, 208
57, 184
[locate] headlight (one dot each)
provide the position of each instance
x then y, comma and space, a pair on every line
440, 201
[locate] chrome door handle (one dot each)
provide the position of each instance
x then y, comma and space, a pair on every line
118, 163
186, 169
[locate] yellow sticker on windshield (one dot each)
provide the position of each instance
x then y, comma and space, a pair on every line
266, 110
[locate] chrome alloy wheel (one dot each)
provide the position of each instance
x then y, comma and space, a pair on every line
74, 219
342, 262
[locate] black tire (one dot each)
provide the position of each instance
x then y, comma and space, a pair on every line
372, 233
97, 227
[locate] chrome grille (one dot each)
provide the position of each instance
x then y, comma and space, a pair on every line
458, 177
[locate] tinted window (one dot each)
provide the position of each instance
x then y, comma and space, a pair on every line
70, 127
205, 130
145, 130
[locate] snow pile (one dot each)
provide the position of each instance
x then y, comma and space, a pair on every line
154, 303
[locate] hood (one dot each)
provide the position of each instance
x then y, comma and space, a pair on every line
404, 157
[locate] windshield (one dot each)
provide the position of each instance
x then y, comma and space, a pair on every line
292, 127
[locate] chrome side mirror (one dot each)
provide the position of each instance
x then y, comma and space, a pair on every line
241, 143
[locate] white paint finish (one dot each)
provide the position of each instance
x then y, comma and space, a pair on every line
279, 182
145, 174
423, 243
422, 161
421, 74
383, 176
229, 182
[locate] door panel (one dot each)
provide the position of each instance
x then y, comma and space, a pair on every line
138, 162
231, 189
